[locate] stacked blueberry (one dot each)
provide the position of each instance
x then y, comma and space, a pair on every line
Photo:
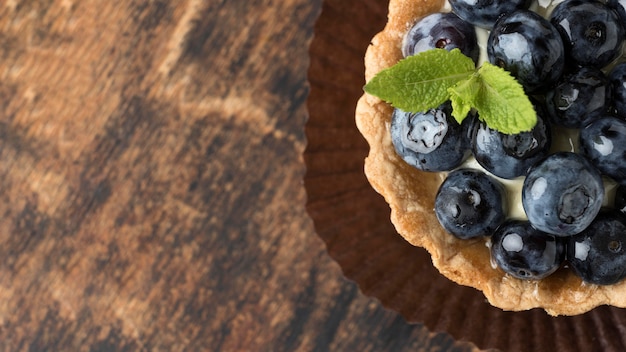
572, 68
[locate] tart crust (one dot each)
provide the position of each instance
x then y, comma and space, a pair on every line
410, 194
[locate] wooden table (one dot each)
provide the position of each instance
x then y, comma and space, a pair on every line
151, 184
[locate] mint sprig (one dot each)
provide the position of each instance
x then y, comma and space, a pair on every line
417, 83
427, 80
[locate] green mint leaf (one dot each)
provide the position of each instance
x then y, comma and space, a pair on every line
502, 103
421, 82
429, 79
462, 96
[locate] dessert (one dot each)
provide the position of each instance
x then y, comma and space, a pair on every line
411, 191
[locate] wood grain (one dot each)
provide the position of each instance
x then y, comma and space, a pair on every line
151, 184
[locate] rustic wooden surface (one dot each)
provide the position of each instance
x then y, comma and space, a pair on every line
151, 184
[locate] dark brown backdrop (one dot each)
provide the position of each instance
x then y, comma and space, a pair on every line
151, 184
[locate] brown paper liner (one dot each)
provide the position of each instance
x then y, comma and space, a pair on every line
354, 221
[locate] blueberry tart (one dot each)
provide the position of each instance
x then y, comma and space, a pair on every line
531, 218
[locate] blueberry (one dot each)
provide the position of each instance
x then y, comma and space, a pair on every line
603, 142
469, 203
562, 194
598, 254
525, 252
484, 13
579, 98
441, 31
591, 31
617, 77
429, 141
529, 47
510, 155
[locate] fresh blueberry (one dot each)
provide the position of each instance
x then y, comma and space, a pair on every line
529, 47
525, 252
510, 155
562, 194
469, 203
591, 31
441, 31
431, 140
603, 142
484, 13
579, 98
598, 254
618, 84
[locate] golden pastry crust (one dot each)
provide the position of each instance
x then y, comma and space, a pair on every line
411, 193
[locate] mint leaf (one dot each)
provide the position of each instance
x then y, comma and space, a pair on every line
502, 103
421, 82
462, 96
429, 79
